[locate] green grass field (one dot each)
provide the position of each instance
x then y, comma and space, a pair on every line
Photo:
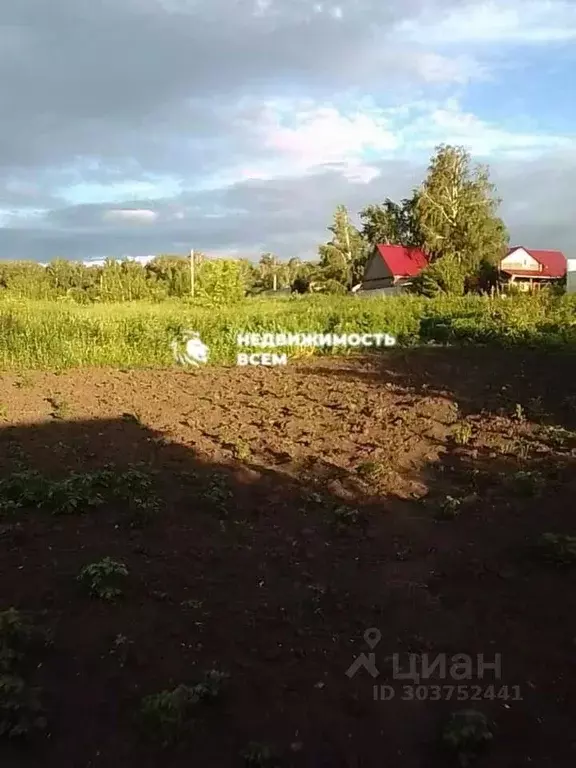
57, 335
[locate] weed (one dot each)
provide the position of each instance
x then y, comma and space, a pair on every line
170, 714
142, 512
370, 471
13, 535
8, 508
193, 604
16, 634
240, 450
536, 408
61, 408
132, 418
558, 548
259, 755
527, 483
462, 433
466, 734
102, 578
121, 648
157, 594
519, 413
211, 685
218, 492
403, 553
345, 517
20, 709
24, 382
559, 438
449, 509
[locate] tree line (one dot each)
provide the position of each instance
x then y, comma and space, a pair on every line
165, 277
452, 216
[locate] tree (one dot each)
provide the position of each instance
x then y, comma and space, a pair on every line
173, 272
307, 273
344, 257
250, 274
293, 268
221, 281
392, 223
269, 271
457, 211
445, 275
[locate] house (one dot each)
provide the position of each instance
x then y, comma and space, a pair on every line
392, 265
571, 276
529, 268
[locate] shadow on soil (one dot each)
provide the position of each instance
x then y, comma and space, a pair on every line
479, 379
240, 569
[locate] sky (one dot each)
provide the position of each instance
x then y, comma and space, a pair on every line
235, 127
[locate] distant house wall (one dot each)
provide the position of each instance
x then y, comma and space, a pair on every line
571, 276
377, 274
520, 259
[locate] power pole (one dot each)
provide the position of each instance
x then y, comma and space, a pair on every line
192, 274
349, 252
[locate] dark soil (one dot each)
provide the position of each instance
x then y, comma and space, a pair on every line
300, 507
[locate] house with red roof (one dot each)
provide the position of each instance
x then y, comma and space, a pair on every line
392, 265
395, 265
528, 268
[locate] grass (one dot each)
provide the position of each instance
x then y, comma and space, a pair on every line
52, 335
462, 433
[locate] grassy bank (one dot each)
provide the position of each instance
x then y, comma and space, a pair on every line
48, 335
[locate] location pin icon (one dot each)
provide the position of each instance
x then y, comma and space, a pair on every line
372, 637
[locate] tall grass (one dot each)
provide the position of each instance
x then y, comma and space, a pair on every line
56, 335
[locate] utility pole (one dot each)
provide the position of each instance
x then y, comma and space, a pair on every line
349, 253
192, 274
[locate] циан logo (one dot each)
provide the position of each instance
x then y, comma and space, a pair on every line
189, 349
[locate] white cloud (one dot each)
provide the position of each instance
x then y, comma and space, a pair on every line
496, 21
448, 124
361, 174
136, 216
290, 139
325, 135
301, 137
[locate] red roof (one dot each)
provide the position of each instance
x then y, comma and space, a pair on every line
553, 262
401, 261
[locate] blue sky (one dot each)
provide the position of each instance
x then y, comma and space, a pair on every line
146, 126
